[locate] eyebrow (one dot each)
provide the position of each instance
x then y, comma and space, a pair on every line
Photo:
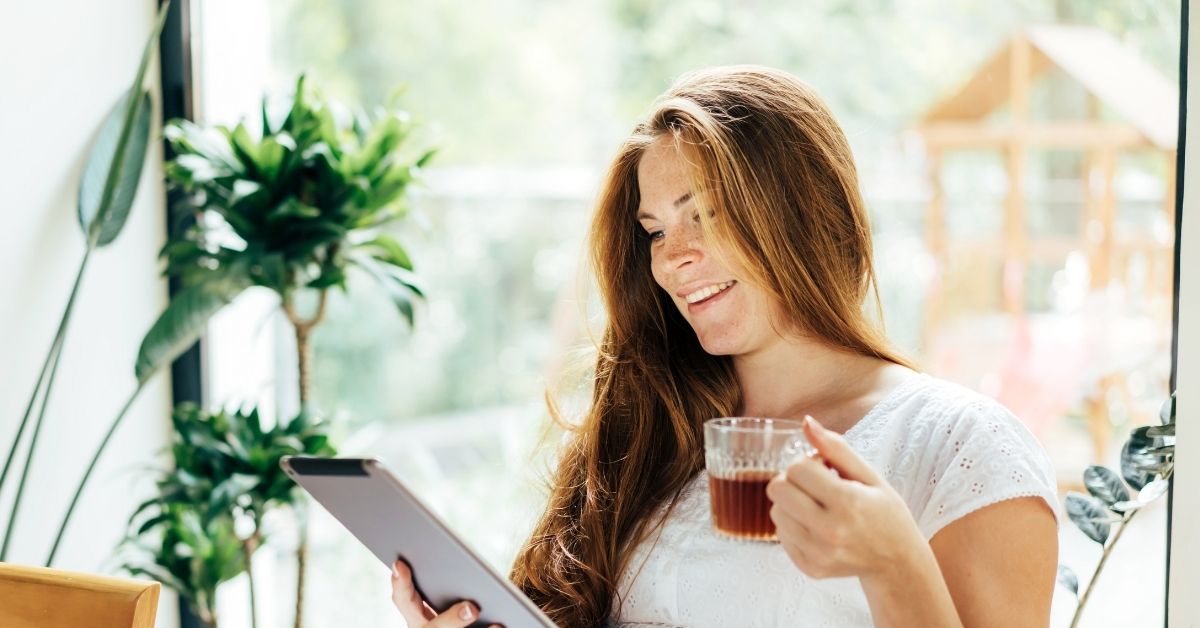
678, 202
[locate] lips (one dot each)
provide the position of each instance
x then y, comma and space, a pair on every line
707, 292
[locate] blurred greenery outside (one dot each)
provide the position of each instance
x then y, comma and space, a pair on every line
533, 89
528, 101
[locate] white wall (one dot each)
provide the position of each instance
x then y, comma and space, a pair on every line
64, 66
1183, 605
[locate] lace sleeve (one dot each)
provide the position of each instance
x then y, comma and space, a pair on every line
982, 456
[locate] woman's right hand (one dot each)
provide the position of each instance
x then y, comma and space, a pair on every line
418, 613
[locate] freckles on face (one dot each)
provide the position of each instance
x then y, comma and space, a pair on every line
722, 310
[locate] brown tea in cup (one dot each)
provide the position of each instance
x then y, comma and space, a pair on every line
741, 455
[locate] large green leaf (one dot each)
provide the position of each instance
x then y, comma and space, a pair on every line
115, 165
103, 209
182, 323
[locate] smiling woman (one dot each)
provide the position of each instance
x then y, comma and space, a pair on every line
758, 248
733, 255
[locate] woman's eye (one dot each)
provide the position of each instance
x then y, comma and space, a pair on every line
654, 235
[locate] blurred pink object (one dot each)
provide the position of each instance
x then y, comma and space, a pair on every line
1041, 365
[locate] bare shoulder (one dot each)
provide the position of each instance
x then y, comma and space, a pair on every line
999, 563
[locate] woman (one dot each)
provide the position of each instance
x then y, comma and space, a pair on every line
734, 258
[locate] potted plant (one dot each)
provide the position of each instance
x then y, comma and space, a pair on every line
291, 207
206, 522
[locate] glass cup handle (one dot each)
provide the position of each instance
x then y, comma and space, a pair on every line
797, 448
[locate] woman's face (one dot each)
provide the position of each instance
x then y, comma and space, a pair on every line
729, 316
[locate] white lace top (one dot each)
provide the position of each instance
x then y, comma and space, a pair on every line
944, 448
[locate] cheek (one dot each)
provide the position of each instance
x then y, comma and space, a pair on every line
655, 271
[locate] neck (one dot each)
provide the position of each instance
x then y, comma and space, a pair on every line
798, 376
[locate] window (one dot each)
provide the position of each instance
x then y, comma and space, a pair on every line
1038, 274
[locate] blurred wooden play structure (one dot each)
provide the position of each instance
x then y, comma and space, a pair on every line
1054, 293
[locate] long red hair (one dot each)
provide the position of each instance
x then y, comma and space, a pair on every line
773, 169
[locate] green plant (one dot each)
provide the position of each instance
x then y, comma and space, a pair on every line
1147, 462
206, 522
290, 209
106, 193
295, 208
188, 552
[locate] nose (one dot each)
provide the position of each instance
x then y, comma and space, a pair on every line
682, 247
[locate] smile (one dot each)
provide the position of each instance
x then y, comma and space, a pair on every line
708, 292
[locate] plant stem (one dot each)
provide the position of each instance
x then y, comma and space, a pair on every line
1100, 567
50, 365
303, 329
87, 474
37, 430
51, 355
248, 547
304, 362
301, 560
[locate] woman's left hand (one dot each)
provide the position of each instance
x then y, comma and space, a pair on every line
831, 526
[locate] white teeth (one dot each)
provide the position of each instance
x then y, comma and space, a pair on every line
704, 293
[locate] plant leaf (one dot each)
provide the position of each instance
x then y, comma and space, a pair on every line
153, 521
105, 196
1068, 579
1153, 491
1138, 466
182, 323
1166, 413
1159, 431
158, 575
400, 293
386, 249
115, 166
1105, 485
1089, 516
426, 158
1126, 506
1164, 451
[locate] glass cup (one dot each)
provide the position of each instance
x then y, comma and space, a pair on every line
742, 454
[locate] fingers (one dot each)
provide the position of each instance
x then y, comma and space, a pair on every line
458, 616
792, 500
406, 598
812, 477
793, 536
838, 454
418, 613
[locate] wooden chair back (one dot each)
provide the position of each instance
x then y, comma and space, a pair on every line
35, 597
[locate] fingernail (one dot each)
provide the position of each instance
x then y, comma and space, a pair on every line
395, 571
812, 424
466, 612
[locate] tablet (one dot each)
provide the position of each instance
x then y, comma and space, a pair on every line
389, 519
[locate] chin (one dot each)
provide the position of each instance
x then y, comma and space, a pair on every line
719, 344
